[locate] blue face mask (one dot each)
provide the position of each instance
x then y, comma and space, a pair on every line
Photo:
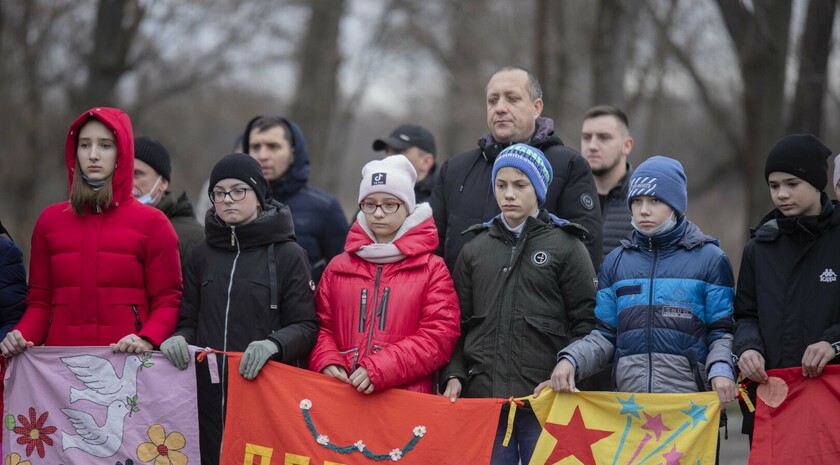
147, 198
666, 226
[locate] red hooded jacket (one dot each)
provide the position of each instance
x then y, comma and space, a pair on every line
398, 320
95, 278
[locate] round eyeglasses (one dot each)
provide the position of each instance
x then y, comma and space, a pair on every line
235, 195
387, 207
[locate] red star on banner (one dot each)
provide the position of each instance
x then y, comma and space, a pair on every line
575, 439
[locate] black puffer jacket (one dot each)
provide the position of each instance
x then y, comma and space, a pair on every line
463, 193
229, 288
788, 294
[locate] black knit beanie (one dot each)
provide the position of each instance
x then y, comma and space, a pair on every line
154, 154
242, 167
802, 155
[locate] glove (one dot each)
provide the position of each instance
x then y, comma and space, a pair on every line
175, 350
257, 353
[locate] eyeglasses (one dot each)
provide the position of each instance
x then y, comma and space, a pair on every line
387, 208
235, 195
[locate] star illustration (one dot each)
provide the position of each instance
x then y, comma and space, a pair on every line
630, 406
697, 414
655, 424
574, 439
673, 457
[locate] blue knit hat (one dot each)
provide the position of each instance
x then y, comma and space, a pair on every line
663, 178
529, 160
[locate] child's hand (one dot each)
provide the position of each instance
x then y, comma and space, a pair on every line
336, 372
816, 356
726, 388
751, 364
453, 389
562, 378
361, 381
14, 343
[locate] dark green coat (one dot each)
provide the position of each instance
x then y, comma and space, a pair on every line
522, 301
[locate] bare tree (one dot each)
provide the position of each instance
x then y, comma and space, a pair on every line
610, 46
315, 97
807, 109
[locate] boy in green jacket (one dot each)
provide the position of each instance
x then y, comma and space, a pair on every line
527, 289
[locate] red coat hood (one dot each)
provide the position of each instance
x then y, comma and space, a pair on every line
418, 234
119, 122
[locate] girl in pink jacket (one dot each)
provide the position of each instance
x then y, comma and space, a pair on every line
388, 309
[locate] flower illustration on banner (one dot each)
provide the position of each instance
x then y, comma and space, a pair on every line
395, 454
360, 445
323, 440
33, 433
419, 431
163, 448
15, 459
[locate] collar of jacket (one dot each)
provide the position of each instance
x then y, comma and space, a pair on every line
685, 234
176, 208
543, 138
775, 224
619, 189
275, 225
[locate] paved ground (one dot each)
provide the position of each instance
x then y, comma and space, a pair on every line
735, 451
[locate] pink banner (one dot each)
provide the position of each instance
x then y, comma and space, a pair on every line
87, 405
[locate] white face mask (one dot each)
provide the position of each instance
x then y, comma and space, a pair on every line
147, 198
666, 226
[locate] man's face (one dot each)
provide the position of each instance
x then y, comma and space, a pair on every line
420, 160
605, 143
147, 180
272, 150
511, 114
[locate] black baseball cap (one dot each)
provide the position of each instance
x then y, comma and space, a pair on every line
405, 136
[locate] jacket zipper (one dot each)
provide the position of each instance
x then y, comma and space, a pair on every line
649, 329
375, 297
362, 308
233, 241
355, 357
383, 309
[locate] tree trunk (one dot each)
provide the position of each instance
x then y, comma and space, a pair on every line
613, 24
761, 40
317, 86
806, 113
116, 26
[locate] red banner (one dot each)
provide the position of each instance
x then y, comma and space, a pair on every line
292, 416
796, 418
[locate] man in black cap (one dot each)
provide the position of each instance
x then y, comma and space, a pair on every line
418, 145
152, 172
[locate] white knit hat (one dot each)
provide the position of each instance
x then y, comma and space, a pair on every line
392, 175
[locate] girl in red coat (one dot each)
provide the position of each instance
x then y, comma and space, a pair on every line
388, 310
104, 268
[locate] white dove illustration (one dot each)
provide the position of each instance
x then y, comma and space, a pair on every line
100, 378
99, 441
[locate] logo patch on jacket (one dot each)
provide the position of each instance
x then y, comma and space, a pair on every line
587, 201
378, 179
676, 312
828, 276
540, 258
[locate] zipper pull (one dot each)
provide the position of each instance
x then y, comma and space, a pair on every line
232, 236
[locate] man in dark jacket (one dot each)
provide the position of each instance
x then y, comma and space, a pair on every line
418, 145
605, 142
462, 195
13, 286
320, 225
152, 175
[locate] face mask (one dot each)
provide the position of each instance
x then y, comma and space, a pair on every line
147, 198
666, 226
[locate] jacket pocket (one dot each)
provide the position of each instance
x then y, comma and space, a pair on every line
542, 337
628, 290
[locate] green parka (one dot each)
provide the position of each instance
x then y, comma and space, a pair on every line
522, 301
